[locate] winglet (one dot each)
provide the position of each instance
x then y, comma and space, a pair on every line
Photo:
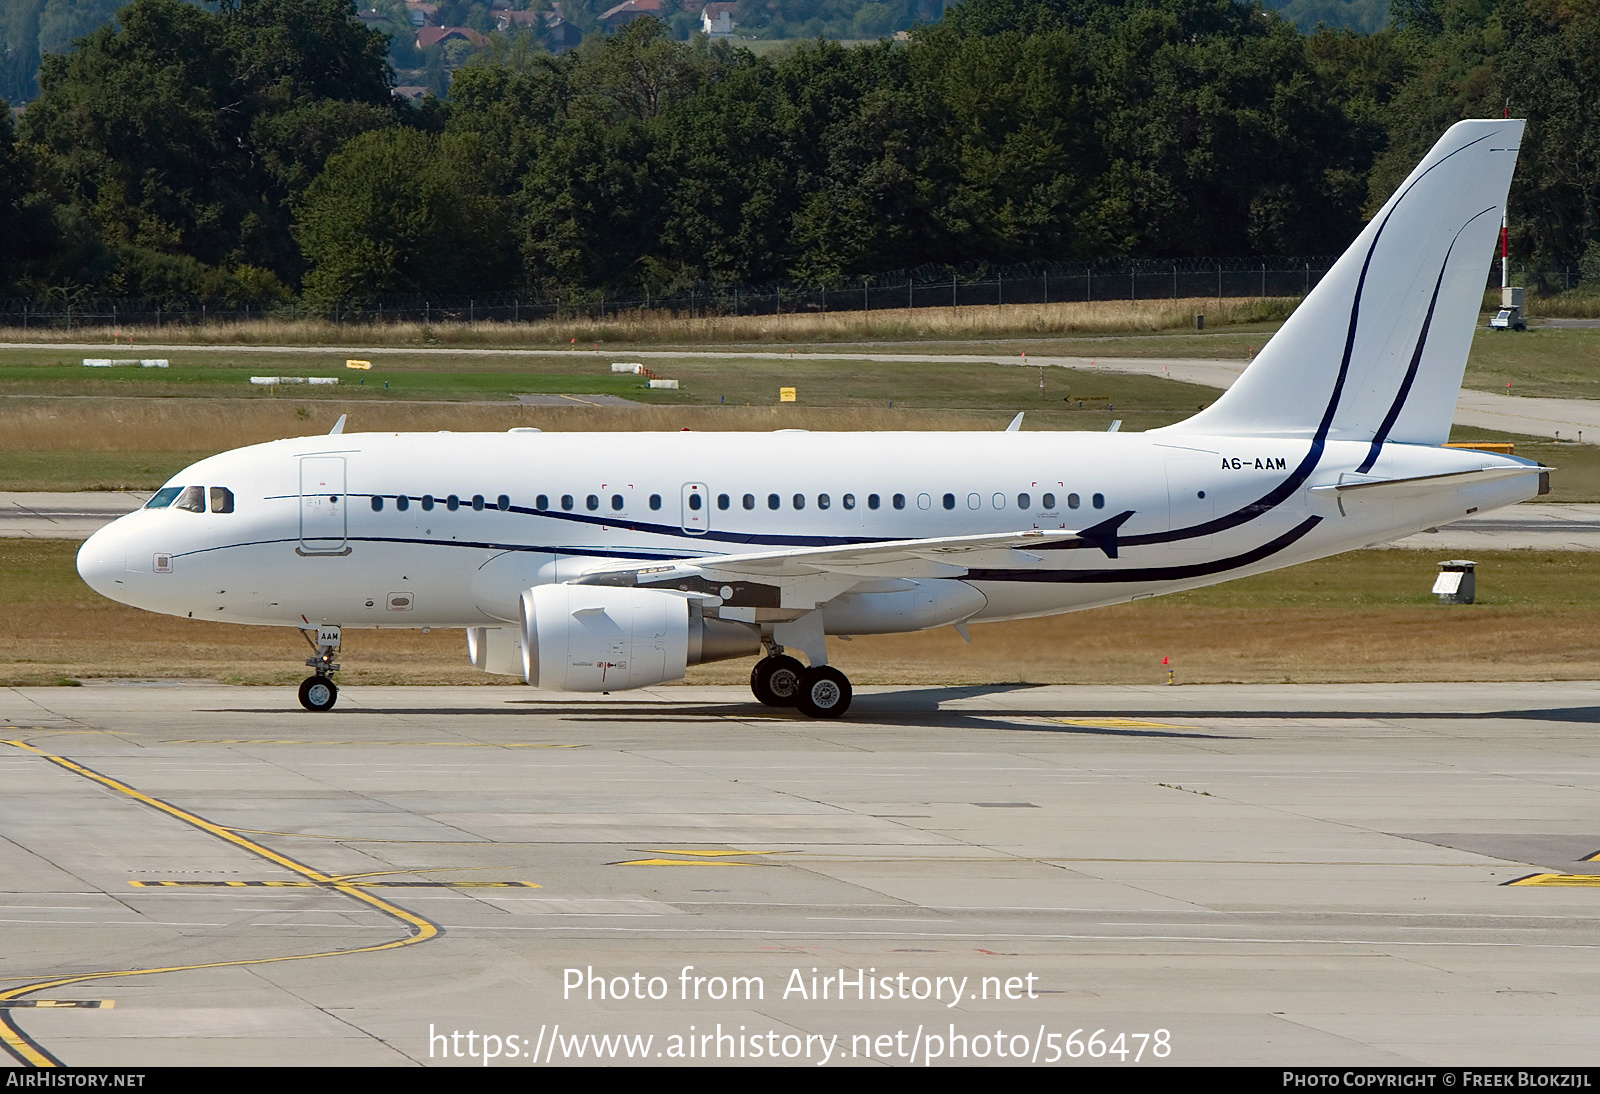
338, 427
1016, 423
1104, 534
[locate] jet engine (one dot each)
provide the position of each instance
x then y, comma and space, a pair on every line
600, 638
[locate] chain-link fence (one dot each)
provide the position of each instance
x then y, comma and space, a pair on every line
924, 287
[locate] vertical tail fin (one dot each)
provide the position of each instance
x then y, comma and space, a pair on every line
1376, 351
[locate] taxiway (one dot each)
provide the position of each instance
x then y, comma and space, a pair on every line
1303, 875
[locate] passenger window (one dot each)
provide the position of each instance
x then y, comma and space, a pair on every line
477, 503
402, 503
566, 502
377, 503
655, 501
163, 497
723, 501
694, 502
823, 501
773, 501
592, 502
872, 501
1048, 501
616, 502
1072, 501
1024, 501
222, 500
949, 501
849, 501
899, 501
452, 503
503, 503
192, 500
1099, 501
542, 502
749, 501
427, 503
799, 501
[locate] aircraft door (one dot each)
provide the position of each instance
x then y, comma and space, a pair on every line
322, 506
1191, 497
696, 508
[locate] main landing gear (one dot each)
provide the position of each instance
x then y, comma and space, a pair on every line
318, 692
817, 692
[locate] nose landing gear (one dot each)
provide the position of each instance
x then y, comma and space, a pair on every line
318, 692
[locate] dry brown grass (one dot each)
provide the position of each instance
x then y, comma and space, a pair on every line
1360, 617
1120, 645
111, 424
670, 328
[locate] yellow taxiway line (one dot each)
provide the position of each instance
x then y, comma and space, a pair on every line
27, 1050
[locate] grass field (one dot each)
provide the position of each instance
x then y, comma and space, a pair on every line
1361, 616
935, 384
1365, 616
658, 327
60, 430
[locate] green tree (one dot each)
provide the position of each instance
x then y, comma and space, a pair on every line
188, 133
1537, 59
26, 221
62, 22
401, 211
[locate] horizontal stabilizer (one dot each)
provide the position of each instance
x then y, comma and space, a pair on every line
1392, 490
1421, 486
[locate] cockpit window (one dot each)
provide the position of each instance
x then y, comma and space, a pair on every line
193, 499
221, 499
163, 497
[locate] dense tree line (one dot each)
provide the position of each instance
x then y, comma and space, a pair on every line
251, 149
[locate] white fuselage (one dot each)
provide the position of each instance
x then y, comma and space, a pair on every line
306, 544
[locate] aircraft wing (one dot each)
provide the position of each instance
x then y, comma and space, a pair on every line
807, 576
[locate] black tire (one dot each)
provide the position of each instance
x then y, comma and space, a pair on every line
824, 693
318, 693
776, 680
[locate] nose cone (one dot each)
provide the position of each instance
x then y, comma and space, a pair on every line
103, 562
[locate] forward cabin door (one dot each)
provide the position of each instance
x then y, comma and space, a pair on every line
323, 527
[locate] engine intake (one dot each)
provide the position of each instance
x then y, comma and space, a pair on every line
597, 638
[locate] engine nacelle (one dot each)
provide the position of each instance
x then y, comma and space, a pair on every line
594, 638
602, 638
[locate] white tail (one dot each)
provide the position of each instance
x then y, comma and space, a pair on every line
1377, 350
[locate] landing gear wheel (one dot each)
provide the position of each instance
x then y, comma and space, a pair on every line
776, 680
318, 693
824, 693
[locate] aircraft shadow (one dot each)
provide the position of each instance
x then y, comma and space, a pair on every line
1540, 714
914, 707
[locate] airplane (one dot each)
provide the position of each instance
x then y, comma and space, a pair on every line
601, 562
